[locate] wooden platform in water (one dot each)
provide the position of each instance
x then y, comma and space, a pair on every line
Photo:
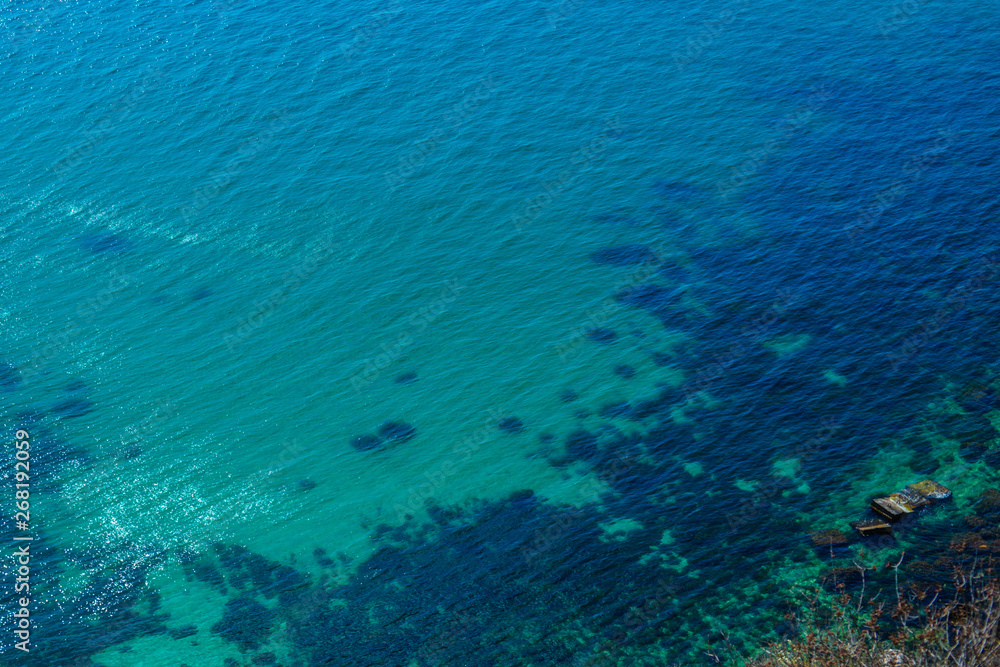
866, 527
897, 505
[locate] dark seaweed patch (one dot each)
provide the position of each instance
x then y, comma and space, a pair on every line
245, 622
662, 358
406, 378
625, 255
979, 399
105, 243
113, 598
183, 631
616, 410
602, 336
448, 593
209, 575
510, 425
10, 377
320, 555
624, 371
366, 442
72, 408
75, 385
968, 428
130, 452
649, 296
29, 418
581, 445
678, 190
616, 218
249, 571
397, 431
202, 293
568, 396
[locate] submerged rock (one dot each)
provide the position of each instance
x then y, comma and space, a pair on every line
830, 537
841, 575
931, 489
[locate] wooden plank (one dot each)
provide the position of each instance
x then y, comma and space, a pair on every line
889, 510
867, 527
909, 501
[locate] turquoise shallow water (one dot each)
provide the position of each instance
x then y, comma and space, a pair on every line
612, 271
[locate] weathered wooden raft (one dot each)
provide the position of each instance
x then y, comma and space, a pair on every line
898, 505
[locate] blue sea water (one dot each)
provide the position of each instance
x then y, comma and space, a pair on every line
383, 333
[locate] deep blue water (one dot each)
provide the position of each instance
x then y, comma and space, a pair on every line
419, 334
